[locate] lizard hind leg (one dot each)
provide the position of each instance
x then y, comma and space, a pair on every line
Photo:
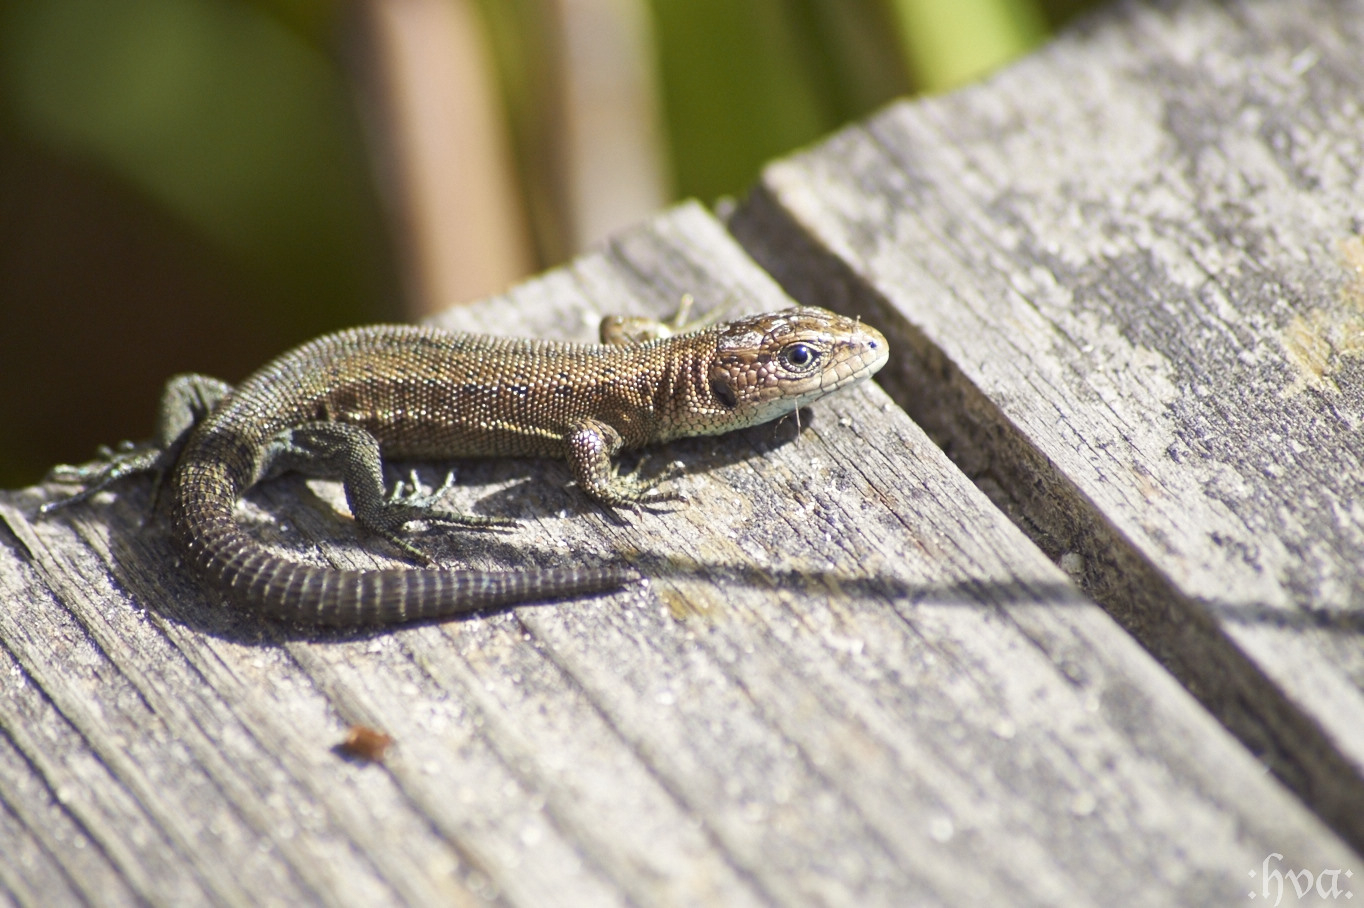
185, 400
334, 450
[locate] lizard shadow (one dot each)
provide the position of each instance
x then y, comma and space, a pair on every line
891, 591
139, 560
243, 627
303, 523
300, 527
300, 518
141, 549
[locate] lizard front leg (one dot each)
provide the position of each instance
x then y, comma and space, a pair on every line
185, 401
628, 330
590, 446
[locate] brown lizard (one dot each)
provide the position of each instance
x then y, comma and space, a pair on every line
339, 405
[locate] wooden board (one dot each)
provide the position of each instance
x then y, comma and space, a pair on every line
851, 681
1126, 282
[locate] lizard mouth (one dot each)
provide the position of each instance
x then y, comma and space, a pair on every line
866, 353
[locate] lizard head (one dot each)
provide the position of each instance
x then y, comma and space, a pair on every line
766, 366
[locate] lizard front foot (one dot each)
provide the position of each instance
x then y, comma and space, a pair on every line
111, 465
633, 490
590, 448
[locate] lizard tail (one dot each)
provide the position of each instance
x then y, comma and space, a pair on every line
285, 590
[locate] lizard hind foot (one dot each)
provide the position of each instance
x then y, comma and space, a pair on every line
408, 502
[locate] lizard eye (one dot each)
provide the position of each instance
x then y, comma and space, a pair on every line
799, 357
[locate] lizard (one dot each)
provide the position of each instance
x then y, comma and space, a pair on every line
341, 405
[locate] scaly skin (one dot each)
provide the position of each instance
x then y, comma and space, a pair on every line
341, 404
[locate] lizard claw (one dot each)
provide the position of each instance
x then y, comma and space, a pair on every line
411, 494
410, 550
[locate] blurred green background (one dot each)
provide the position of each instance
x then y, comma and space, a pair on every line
186, 184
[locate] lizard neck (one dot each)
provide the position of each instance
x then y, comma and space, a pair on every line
683, 402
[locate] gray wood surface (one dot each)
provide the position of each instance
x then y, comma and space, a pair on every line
1125, 281
851, 681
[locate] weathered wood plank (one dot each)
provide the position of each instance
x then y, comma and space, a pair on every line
1126, 279
852, 680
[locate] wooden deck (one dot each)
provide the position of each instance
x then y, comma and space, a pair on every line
1124, 287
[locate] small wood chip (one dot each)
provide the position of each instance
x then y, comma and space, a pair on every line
365, 744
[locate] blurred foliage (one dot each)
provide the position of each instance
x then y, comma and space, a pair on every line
947, 44
524, 51
222, 117
183, 183
745, 81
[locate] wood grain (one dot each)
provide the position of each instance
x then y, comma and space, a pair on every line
1126, 281
851, 680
